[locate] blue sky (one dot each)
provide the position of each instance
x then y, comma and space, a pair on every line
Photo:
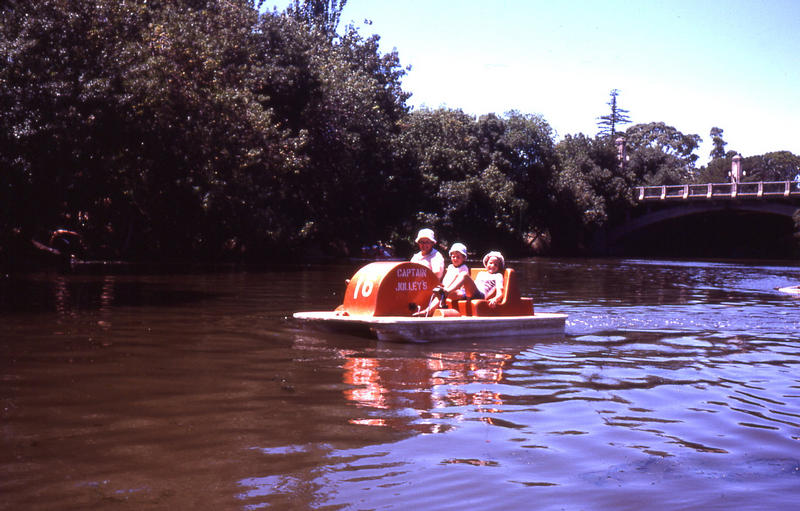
696, 64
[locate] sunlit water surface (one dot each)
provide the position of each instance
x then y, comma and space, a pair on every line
676, 386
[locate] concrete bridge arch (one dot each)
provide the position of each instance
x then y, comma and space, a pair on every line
673, 210
707, 227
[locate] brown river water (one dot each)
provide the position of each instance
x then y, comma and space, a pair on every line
676, 386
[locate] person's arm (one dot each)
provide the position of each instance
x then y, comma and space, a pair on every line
450, 275
437, 265
497, 293
457, 280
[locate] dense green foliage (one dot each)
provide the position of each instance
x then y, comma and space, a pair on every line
194, 127
772, 166
660, 154
489, 177
718, 143
593, 188
214, 130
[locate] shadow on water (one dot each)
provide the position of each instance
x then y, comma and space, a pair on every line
80, 293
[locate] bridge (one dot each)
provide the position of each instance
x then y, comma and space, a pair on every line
771, 197
757, 190
780, 200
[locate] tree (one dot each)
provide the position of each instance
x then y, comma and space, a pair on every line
717, 171
323, 15
660, 154
447, 147
443, 145
593, 190
718, 150
196, 128
518, 160
608, 124
490, 177
342, 101
773, 166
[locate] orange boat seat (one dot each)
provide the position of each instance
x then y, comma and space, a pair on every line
511, 303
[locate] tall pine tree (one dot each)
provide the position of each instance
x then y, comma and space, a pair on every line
608, 123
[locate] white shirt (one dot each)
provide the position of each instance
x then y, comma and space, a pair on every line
486, 282
453, 272
434, 260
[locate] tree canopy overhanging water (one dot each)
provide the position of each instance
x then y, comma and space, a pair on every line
212, 130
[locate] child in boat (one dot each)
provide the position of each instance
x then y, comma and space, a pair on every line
489, 283
458, 284
427, 255
453, 282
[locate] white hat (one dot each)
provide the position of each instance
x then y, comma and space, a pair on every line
458, 247
426, 234
494, 254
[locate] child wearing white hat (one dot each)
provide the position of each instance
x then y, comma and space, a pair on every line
489, 283
453, 282
458, 270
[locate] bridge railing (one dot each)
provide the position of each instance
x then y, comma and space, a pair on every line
754, 190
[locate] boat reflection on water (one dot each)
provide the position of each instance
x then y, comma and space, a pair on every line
417, 389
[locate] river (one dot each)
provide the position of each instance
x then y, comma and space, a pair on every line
676, 386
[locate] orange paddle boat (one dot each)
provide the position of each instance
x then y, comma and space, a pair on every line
382, 296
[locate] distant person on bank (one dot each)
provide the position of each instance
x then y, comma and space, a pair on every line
427, 255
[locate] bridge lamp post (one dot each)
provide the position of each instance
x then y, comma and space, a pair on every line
736, 173
622, 154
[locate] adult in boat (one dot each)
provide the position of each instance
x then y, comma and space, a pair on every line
428, 255
458, 284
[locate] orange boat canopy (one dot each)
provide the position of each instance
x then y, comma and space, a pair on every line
389, 289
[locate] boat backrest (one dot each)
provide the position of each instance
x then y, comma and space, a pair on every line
510, 304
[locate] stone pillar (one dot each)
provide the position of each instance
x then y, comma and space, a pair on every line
736, 169
621, 153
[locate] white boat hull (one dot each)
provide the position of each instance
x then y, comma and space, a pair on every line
792, 290
411, 329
